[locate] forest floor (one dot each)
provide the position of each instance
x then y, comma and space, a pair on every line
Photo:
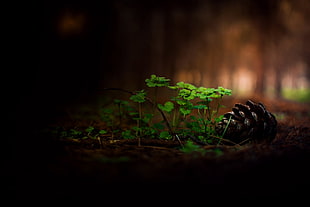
157, 171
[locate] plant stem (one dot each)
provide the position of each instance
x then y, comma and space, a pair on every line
218, 106
174, 119
155, 98
222, 139
202, 120
120, 114
225, 130
154, 104
209, 111
139, 124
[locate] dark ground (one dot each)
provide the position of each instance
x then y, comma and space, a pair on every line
158, 172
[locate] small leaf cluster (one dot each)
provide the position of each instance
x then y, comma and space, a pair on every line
75, 133
139, 96
191, 111
157, 81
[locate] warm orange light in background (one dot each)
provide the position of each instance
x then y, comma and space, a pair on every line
251, 47
239, 54
243, 80
296, 77
71, 24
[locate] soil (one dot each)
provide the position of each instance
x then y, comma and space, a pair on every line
157, 171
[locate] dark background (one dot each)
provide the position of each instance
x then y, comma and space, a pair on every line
252, 47
89, 45
71, 50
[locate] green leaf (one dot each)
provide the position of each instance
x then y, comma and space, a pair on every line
159, 126
139, 96
185, 111
106, 111
127, 134
147, 118
136, 118
89, 129
181, 102
137, 129
190, 147
205, 93
214, 95
168, 106
165, 135
102, 131
224, 91
218, 119
157, 81
173, 87
200, 107
75, 132
121, 102
187, 94
133, 113
149, 131
186, 86
218, 152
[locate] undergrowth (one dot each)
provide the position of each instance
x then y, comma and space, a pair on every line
191, 113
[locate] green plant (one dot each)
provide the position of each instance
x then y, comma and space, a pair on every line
94, 133
139, 97
115, 115
191, 98
88, 133
191, 112
190, 147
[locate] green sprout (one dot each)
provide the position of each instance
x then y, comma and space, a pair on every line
139, 97
167, 107
156, 81
190, 147
191, 112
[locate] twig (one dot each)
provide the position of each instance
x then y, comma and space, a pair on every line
222, 139
156, 147
244, 141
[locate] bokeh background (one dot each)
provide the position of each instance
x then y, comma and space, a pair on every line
256, 48
252, 47
249, 46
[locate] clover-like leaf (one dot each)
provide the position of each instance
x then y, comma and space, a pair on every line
102, 131
165, 135
157, 81
168, 106
139, 96
187, 94
200, 107
185, 111
223, 91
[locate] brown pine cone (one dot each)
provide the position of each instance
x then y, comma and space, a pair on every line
250, 122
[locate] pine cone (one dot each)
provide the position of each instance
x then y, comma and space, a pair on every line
248, 122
